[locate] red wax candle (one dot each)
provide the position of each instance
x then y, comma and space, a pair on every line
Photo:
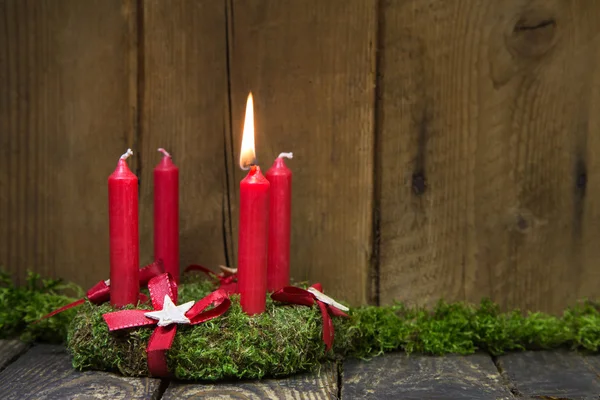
278, 265
254, 224
252, 241
166, 214
124, 240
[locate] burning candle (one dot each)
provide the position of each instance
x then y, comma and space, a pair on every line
278, 266
254, 224
166, 214
123, 229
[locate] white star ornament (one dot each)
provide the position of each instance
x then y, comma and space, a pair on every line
170, 313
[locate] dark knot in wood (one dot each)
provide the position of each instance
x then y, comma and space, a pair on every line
582, 181
581, 178
522, 223
419, 184
523, 26
534, 33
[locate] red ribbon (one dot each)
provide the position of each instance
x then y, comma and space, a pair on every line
163, 336
295, 295
100, 292
227, 283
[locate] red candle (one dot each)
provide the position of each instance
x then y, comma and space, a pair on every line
166, 214
254, 225
123, 228
278, 265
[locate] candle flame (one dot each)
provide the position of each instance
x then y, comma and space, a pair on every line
247, 153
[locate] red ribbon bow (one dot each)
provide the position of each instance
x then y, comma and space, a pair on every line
161, 287
227, 282
295, 295
100, 292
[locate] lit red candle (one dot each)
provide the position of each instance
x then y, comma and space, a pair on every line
166, 214
254, 225
123, 229
278, 265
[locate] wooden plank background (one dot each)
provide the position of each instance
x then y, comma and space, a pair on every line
67, 111
442, 149
318, 104
487, 179
183, 99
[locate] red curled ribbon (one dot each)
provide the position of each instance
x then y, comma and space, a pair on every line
100, 292
295, 295
227, 282
161, 287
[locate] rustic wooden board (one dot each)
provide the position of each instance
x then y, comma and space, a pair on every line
184, 109
66, 115
310, 66
545, 374
9, 350
488, 158
593, 362
45, 372
398, 376
318, 385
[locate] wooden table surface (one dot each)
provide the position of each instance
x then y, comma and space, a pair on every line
45, 372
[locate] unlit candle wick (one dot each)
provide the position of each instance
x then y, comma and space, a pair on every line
286, 155
164, 152
127, 154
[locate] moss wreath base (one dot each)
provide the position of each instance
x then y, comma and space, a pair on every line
287, 339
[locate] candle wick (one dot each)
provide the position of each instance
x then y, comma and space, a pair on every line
286, 155
246, 166
164, 152
127, 154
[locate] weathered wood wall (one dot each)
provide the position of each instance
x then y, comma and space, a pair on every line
442, 148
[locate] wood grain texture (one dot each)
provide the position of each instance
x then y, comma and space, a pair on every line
398, 376
545, 374
65, 118
9, 350
488, 171
184, 109
45, 372
310, 66
314, 386
594, 363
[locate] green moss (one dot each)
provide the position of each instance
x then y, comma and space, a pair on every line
465, 328
583, 325
279, 342
19, 306
93, 346
287, 339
